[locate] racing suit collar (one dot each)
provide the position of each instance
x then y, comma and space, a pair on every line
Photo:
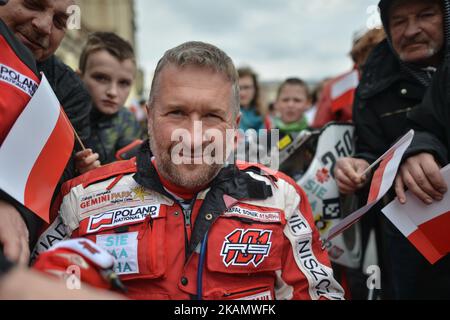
231, 182
176, 190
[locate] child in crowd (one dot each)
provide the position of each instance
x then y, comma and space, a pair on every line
108, 68
293, 100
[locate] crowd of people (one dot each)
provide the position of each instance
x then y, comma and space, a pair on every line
205, 228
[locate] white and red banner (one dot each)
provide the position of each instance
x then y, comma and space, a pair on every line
36, 151
426, 226
382, 181
343, 91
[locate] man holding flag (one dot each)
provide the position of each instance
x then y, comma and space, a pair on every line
397, 75
37, 26
13, 99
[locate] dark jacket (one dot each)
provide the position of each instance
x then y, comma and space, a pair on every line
384, 96
71, 93
388, 90
110, 133
431, 120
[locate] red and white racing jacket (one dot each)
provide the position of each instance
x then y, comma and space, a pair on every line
261, 241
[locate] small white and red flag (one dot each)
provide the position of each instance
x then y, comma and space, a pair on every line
382, 181
36, 151
425, 226
343, 91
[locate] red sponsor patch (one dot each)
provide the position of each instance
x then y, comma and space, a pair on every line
245, 247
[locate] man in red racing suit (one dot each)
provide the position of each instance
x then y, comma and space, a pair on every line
247, 233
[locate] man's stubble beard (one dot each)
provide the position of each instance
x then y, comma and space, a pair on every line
169, 171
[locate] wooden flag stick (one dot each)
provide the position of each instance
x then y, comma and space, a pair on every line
74, 131
79, 139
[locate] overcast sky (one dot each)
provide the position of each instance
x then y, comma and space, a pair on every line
278, 38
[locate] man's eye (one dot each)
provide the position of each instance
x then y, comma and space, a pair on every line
427, 15
398, 22
35, 5
60, 22
176, 113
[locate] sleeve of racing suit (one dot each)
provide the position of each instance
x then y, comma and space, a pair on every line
306, 272
430, 120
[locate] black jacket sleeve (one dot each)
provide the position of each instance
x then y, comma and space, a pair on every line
431, 120
370, 143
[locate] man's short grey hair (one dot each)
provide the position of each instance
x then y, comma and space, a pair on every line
195, 53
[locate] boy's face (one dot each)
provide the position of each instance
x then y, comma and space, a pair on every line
292, 103
108, 80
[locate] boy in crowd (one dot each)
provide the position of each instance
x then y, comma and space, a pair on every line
293, 100
108, 68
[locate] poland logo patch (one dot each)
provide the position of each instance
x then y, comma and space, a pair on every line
245, 247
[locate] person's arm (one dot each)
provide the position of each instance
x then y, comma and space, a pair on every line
370, 141
306, 270
18, 229
420, 172
26, 284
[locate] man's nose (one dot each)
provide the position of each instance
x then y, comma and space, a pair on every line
197, 135
412, 28
43, 23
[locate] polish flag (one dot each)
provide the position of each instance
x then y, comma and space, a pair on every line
343, 91
36, 151
425, 226
382, 181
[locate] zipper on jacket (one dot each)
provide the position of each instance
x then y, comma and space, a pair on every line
187, 217
187, 213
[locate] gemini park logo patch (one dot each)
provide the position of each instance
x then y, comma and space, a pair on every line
121, 217
18, 80
245, 247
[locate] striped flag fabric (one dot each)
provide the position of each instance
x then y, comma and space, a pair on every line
343, 91
382, 181
36, 151
425, 226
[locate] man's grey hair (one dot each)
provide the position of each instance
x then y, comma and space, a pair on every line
200, 54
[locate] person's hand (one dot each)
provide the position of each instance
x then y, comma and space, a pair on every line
348, 173
86, 161
421, 174
14, 236
25, 284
